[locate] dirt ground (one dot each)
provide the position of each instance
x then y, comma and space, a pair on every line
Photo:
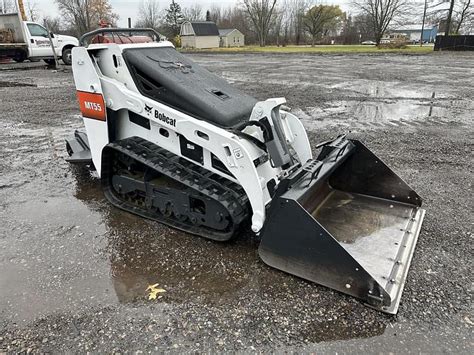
74, 271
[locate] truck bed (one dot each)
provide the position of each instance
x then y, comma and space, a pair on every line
13, 22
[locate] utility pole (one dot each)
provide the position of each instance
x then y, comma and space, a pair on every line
51, 43
423, 25
88, 21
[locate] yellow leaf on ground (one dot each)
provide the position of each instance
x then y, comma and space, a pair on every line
154, 291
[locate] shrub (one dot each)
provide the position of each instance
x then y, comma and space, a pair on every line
393, 45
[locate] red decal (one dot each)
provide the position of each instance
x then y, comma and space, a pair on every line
92, 105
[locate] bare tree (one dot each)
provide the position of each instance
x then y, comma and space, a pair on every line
193, 13
77, 13
226, 16
215, 13
460, 17
297, 9
85, 15
31, 8
287, 23
279, 19
286, 17
260, 13
363, 27
469, 25
9, 6
148, 14
52, 23
382, 13
465, 14
236, 17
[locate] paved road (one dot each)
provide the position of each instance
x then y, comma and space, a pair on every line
73, 270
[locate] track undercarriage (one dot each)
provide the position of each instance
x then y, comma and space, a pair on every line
144, 179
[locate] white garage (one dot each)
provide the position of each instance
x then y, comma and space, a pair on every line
199, 35
232, 38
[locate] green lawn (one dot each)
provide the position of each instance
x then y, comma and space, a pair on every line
318, 49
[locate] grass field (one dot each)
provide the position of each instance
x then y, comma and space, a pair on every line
319, 49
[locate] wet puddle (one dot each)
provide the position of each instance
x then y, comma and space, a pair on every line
382, 112
137, 264
76, 253
193, 270
143, 253
63, 249
387, 89
133, 254
336, 329
47, 259
365, 103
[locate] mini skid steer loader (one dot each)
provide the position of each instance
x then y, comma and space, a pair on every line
175, 143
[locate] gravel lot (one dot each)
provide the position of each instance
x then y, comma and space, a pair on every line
74, 271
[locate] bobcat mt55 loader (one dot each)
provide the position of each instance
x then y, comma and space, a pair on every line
175, 143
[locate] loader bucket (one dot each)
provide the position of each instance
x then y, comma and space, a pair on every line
349, 223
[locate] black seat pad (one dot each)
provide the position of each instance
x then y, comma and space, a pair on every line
169, 77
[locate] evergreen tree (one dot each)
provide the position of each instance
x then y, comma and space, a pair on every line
173, 19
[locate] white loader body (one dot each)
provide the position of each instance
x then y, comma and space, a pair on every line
95, 73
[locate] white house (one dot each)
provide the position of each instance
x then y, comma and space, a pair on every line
231, 38
199, 35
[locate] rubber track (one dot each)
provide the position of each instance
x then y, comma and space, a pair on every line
231, 195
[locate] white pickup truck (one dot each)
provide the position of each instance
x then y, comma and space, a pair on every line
22, 40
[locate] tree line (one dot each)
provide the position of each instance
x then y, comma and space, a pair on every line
284, 22
265, 22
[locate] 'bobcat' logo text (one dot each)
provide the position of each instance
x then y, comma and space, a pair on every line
166, 119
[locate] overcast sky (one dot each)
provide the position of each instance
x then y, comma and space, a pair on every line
129, 8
